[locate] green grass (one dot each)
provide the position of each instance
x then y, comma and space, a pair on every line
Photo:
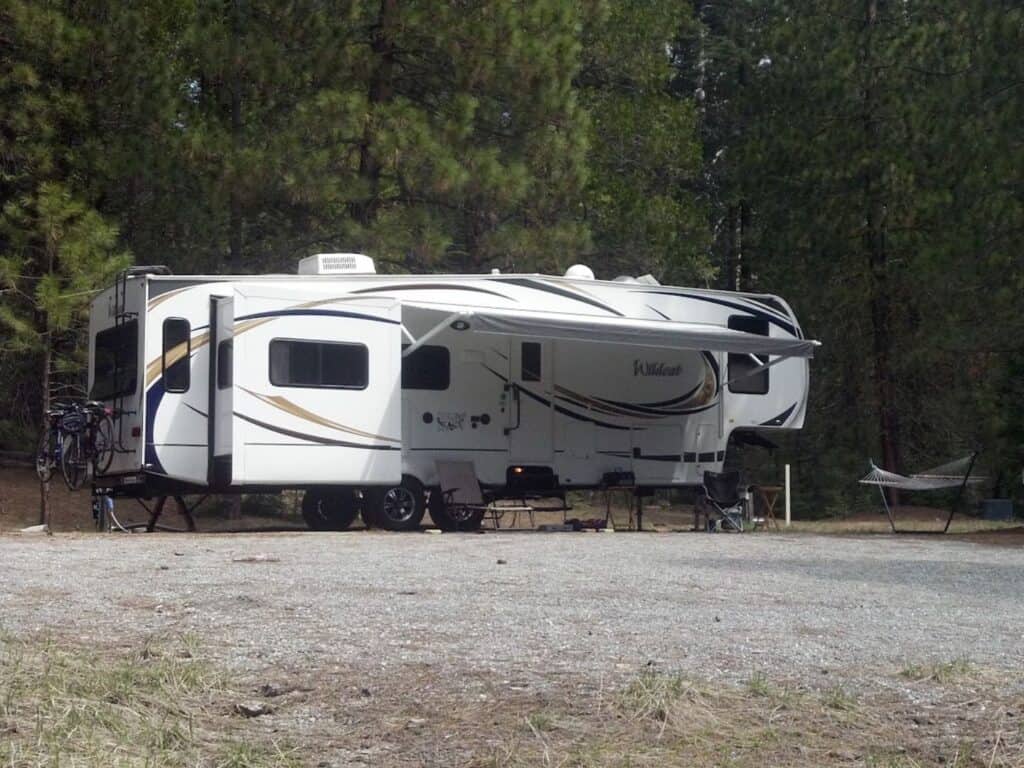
541, 721
157, 705
758, 684
944, 673
840, 699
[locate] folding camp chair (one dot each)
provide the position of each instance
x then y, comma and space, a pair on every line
463, 496
720, 496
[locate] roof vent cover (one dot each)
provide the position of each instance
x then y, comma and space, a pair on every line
580, 272
337, 264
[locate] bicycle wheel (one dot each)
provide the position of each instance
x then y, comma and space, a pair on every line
74, 464
102, 445
45, 456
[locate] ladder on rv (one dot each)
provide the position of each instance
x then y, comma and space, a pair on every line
123, 316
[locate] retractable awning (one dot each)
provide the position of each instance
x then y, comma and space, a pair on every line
612, 330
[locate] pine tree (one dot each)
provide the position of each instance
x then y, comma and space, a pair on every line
875, 157
55, 247
414, 131
645, 156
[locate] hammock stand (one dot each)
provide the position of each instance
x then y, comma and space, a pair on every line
955, 474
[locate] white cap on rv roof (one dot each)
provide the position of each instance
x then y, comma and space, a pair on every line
337, 264
580, 272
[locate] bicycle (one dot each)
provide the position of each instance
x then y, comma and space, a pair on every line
51, 443
88, 447
80, 439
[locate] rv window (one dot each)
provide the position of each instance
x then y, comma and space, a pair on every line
177, 348
225, 363
115, 361
334, 365
741, 365
428, 367
530, 360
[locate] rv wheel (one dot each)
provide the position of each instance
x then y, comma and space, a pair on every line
458, 519
399, 508
330, 509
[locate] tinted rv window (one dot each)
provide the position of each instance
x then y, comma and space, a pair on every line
225, 363
177, 347
428, 367
115, 362
334, 365
741, 365
531, 361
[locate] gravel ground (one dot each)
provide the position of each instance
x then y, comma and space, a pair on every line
530, 608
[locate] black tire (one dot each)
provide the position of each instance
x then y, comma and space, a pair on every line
330, 509
74, 464
366, 513
45, 456
103, 445
446, 520
399, 508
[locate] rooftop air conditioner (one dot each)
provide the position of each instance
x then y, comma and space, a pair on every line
337, 264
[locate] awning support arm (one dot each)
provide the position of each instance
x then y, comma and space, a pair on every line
763, 367
432, 332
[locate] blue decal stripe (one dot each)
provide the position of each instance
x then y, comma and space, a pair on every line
560, 409
154, 396
318, 313
771, 317
779, 420
547, 288
432, 287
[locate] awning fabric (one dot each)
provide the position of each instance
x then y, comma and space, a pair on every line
613, 330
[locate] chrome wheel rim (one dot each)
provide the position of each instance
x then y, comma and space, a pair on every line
399, 504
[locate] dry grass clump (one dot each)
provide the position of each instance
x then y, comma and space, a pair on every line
666, 719
156, 706
916, 520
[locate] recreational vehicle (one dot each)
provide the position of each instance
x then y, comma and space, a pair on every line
352, 385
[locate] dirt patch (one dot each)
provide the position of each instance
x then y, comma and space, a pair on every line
1002, 537
165, 702
72, 511
19, 502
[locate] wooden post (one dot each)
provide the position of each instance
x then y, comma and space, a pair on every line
788, 510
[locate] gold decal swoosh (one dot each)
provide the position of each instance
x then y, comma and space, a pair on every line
158, 300
154, 368
284, 404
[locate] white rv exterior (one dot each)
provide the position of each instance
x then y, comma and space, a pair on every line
358, 380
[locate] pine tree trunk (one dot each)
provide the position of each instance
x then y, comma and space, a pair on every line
381, 90
877, 257
235, 200
744, 279
44, 487
732, 262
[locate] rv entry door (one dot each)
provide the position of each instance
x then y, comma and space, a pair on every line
530, 424
222, 372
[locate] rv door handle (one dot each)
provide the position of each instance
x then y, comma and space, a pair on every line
519, 409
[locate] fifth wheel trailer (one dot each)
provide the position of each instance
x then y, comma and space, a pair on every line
353, 385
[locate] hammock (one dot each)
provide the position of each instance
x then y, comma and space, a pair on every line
953, 474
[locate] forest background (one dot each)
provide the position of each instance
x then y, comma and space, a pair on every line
865, 160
